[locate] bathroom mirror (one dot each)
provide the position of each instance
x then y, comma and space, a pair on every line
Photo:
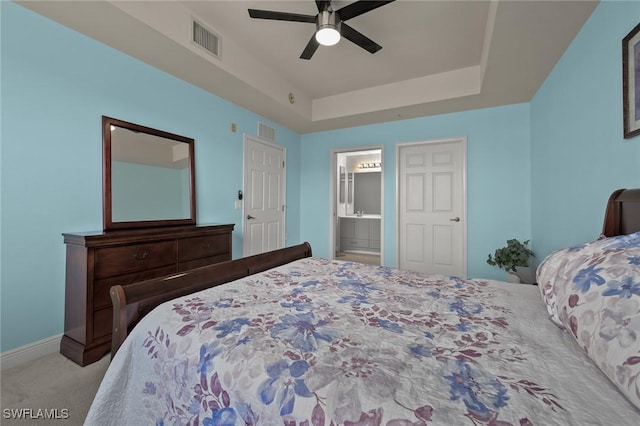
148, 177
359, 183
367, 192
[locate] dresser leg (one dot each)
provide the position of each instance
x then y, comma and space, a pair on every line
80, 354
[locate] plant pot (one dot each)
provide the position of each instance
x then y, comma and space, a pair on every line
526, 274
512, 278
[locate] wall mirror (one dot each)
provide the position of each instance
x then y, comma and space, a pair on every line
148, 177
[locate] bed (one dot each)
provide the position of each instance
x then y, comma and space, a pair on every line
288, 338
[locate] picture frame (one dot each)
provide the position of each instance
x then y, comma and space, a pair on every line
631, 82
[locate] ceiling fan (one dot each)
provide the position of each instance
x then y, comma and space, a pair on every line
330, 24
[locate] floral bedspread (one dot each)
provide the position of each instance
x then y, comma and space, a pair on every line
319, 342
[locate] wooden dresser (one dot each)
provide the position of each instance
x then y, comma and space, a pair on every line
98, 260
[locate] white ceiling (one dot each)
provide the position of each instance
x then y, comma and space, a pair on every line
437, 56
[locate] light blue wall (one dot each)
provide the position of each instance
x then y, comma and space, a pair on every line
579, 155
498, 177
56, 85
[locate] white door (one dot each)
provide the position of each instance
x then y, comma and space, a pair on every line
432, 207
264, 196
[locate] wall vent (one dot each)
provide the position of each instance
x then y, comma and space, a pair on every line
266, 132
206, 39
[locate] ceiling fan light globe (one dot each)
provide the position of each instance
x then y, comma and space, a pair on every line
327, 36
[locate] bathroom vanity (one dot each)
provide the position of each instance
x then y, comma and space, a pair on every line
360, 233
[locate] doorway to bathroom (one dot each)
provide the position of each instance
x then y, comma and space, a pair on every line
356, 205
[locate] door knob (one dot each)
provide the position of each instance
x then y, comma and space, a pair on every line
455, 219
249, 217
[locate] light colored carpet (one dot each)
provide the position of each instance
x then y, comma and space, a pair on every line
50, 382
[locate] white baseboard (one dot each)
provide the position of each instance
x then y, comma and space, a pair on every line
26, 353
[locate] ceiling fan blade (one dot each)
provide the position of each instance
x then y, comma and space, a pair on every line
322, 5
358, 8
358, 38
281, 16
311, 48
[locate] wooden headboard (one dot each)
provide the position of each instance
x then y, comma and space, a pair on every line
622, 215
134, 301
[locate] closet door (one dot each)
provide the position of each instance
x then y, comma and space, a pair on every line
264, 197
432, 208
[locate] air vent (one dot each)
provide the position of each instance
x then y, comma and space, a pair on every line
206, 39
266, 132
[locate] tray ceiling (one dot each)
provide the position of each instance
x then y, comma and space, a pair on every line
437, 56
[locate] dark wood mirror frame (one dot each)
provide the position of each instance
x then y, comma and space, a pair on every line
107, 200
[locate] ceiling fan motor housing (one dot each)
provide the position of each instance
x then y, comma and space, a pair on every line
328, 18
328, 21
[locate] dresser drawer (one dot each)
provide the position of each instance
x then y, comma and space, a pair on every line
197, 263
138, 257
101, 297
199, 247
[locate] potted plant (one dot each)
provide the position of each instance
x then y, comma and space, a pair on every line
514, 258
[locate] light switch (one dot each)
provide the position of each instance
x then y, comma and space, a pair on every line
238, 205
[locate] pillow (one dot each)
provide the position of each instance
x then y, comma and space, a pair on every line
593, 291
556, 269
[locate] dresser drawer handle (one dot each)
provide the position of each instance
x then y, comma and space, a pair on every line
145, 254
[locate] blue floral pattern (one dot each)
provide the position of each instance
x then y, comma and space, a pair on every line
318, 342
593, 291
479, 392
